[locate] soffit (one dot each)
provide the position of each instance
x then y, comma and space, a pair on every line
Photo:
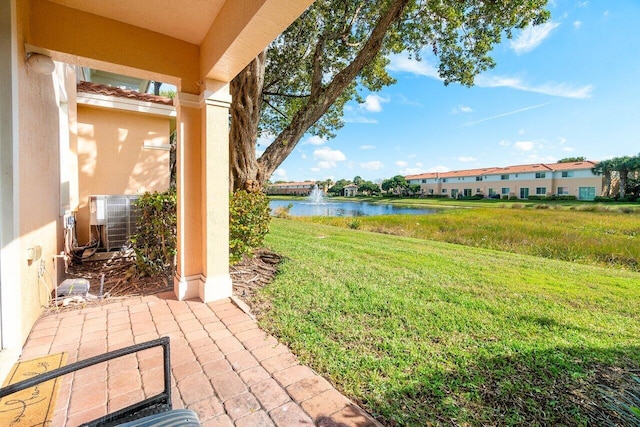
187, 20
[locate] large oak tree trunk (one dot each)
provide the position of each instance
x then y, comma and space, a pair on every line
246, 92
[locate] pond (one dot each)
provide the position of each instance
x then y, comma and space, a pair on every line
307, 208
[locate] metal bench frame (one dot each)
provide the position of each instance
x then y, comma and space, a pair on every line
152, 405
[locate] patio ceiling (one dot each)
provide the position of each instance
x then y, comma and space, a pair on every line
189, 40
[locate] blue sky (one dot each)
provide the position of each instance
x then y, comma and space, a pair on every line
570, 87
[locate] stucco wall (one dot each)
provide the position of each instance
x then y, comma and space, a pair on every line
112, 158
38, 184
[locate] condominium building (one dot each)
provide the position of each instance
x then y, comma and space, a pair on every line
303, 188
540, 179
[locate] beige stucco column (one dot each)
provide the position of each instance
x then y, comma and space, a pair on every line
203, 194
189, 245
215, 175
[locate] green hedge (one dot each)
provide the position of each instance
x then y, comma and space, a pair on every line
249, 218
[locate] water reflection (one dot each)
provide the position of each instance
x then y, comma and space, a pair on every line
305, 208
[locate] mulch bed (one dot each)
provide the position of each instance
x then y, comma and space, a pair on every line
122, 279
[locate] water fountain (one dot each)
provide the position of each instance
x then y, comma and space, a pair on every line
316, 196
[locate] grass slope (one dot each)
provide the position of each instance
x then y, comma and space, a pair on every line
425, 332
607, 238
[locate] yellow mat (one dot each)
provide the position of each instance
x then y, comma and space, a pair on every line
33, 406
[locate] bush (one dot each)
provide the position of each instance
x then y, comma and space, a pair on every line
513, 197
505, 197
154, 242
354, 223
603, 199
283, 211
249, 217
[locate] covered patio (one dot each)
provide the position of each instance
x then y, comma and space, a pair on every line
223, 366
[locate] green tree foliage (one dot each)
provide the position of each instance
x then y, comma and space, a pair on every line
154, 242
628, 170
398, 185
572, 159
338, 50
249, 218
336, 189
370, 188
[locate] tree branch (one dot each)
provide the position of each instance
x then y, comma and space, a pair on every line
275, 108
286, 95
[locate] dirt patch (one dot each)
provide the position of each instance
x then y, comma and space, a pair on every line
122, 279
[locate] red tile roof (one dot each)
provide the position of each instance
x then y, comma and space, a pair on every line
537, 167
100, 89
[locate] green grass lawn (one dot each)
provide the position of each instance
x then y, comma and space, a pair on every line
423, 332
606, 238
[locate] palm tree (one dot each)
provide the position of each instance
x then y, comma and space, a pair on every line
605, 167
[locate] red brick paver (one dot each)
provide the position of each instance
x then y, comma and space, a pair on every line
223, 366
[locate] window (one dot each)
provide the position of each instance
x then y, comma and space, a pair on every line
431, 191
444, 191
467, 192
504, 177
540, 175
478, 178
444, 179
424, 181
541, 191
504, 190
567, 174
492, 192
454, 193
563, 191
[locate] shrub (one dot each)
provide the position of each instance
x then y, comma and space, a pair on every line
354, 223
154, 242
513, 197
505, 197
283, 211
603, 199
543, 206
249, 217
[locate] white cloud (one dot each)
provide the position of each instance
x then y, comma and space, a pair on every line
532, 36
577, 25
315, 169
419, 164
328, 158
562, 90
521, 131
367, 147
466, 159
372, 166
315, 140
567, 149
373, 103
401, 164
325, 164
439, 168
304, 156
462, 109
562, 140
402, 63
410, 171
524, 145
326, 153
280, 173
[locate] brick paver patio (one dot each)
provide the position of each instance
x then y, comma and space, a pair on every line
223, 365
